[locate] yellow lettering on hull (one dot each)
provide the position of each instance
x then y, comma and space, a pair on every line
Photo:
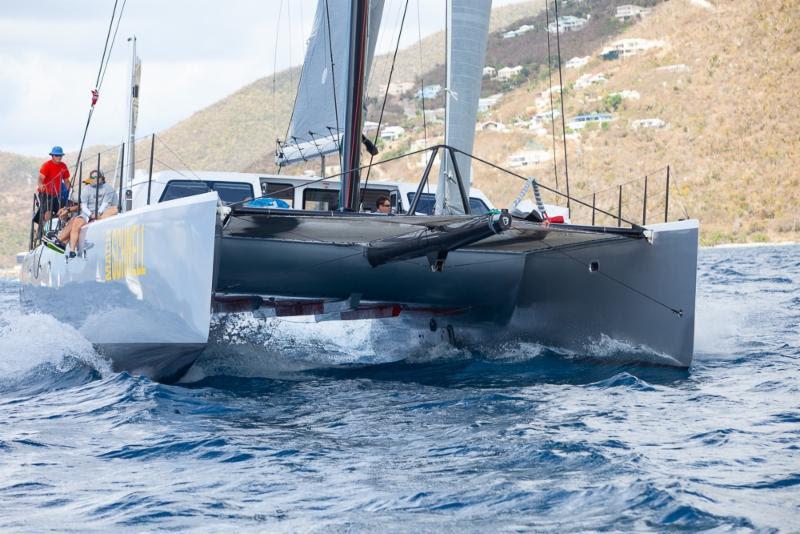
124, 252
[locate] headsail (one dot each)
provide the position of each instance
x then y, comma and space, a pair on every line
466, 51
318, 120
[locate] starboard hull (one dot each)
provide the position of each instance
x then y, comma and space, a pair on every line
572, 291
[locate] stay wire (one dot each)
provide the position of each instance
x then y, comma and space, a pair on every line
561, 92
113, 40
275, 69
96, 85
676, 311
105, 47
421, 78
385, 98
333, 70
550, 75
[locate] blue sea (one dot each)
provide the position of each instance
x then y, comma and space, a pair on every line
514, 438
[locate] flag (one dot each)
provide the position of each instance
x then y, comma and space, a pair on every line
137, 78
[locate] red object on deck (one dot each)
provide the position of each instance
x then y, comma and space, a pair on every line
558, 219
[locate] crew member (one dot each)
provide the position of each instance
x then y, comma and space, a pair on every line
382, 205
98, 201
53, 183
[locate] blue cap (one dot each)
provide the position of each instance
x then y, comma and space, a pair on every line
57, 151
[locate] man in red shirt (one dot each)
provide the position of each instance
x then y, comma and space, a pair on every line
53, 182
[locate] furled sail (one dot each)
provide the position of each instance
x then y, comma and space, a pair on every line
318, 117
468, 23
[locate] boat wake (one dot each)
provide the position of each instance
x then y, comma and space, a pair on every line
247, 346
35, 345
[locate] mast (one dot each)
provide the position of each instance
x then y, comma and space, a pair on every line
351, 144
133, 94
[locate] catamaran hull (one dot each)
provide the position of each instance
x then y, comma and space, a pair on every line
639, 305
589, 292
140, 288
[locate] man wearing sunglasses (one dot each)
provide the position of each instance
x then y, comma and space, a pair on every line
382, 205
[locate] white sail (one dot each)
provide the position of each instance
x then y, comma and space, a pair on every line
468, 28
318, 120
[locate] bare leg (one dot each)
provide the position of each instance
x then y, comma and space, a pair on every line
65, 232
75, 232
110, 212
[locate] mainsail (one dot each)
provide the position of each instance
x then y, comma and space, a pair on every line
468, 28
318, 118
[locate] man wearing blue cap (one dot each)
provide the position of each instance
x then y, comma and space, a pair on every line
53, 181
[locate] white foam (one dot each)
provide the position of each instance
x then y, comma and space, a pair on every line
608, 347
30, 340
245, 345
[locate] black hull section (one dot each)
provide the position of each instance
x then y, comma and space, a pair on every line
166, 363
569, 287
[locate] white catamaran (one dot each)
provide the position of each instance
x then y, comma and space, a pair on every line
145, 283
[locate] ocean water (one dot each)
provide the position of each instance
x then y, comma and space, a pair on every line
514, 438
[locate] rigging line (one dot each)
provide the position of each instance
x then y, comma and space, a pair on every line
333, 69
297, 89
113, 40
678, 193
292, 187
623, 184
519, 176
385, 98
421, 78
676, 311
91, 110
550, 75
179, 158
105, 47
561, 83
289, 16
173, 169
275, 71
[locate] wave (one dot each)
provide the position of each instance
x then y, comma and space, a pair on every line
36, 345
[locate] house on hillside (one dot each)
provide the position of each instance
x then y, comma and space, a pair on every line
582, 121
489, 72
485, 104
392, 133
532, 154
577, 62
630, 47
508, 73
429, 92
399, 88
567, 24
628, 11
525, 28
369, 126
589, 79
627, 94
647, 123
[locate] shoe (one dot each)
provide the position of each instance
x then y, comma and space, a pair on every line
53, 243
72, 254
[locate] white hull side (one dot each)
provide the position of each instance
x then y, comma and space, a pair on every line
140, 288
